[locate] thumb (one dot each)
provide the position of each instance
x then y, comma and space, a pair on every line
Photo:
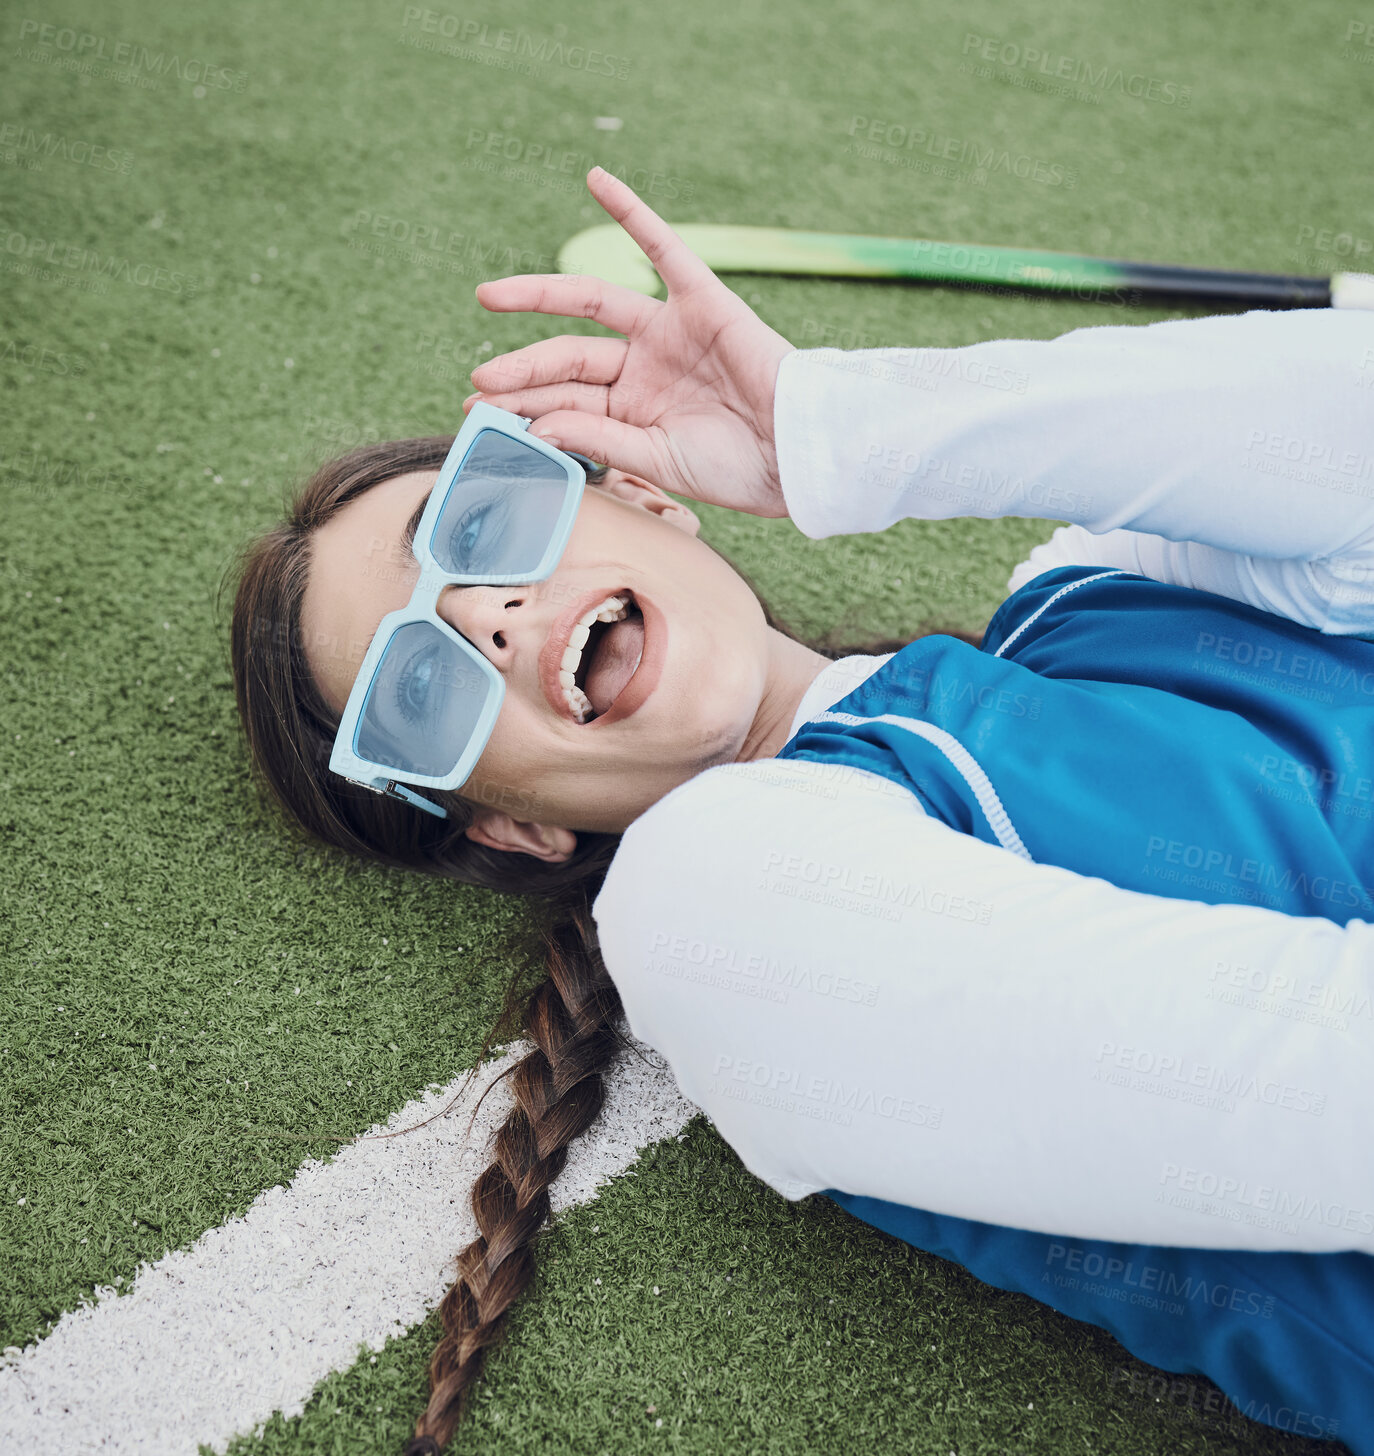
610, 442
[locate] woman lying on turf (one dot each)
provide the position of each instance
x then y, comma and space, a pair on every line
1011, 947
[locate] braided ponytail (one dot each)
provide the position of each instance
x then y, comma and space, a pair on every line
558, 1087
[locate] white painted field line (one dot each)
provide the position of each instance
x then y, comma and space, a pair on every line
211, 1340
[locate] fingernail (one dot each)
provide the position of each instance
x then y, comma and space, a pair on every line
548, 439
471, 397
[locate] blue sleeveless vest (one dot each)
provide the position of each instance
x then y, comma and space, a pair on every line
1165, 739
1180, 743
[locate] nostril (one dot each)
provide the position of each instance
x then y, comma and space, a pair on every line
498, 639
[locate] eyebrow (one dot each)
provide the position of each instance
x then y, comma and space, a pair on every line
413, 524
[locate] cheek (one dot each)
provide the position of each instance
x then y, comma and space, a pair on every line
511, 765
521, 747
523, 805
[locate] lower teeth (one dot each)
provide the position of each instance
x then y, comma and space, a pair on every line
579, 702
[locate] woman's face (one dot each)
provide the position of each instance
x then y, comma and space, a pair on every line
723, 685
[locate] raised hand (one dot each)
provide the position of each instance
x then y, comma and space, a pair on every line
684, 400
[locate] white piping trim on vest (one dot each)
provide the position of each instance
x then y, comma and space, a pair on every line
1082, 581
967, 766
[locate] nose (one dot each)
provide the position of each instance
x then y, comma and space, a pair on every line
492, 618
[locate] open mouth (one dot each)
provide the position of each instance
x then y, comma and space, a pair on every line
608, 657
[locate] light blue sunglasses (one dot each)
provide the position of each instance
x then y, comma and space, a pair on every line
425, 700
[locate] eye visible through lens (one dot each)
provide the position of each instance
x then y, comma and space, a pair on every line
423, 704
501, 511
414, 683
477, 535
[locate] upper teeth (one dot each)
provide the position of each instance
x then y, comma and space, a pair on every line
613, 609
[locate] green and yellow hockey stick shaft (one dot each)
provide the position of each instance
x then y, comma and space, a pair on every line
608, 252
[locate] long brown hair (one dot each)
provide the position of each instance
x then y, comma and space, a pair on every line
572, 1016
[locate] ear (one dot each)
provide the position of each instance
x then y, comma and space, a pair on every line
548, 842
649, 497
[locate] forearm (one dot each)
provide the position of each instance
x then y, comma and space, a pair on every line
961, 1031
1253, 433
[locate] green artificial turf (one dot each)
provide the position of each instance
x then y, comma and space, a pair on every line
195, 1002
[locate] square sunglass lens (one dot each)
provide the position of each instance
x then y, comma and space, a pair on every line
501, 511
424, 703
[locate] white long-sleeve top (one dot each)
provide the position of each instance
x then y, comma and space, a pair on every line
861, 997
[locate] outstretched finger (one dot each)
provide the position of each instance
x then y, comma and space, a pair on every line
674, 262
588, 360
573, 295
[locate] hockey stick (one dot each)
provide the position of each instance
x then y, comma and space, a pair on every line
608, 252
